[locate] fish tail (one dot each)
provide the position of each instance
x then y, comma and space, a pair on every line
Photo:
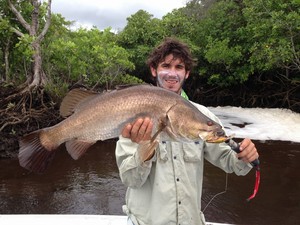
32, 154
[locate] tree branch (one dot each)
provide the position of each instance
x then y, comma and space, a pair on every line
47, 24
19, 16
16, 31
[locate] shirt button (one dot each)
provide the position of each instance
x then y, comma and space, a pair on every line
179, 202
177, 179
175, 157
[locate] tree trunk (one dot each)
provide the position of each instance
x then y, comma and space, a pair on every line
38, 78
6, 61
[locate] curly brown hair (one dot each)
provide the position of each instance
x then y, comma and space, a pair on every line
171, 46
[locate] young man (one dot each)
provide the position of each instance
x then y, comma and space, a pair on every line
167, 188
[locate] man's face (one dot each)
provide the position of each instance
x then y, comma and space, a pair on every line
170, 74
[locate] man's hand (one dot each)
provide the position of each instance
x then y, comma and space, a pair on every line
139, 130
248, 151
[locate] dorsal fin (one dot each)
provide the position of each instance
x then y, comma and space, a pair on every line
73, 99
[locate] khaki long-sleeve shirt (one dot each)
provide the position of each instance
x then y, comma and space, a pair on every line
167, 189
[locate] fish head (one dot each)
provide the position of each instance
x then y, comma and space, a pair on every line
207, 130
187, 123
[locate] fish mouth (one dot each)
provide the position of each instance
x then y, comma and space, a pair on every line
218, 139
216, 136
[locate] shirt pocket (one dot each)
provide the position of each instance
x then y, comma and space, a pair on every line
192, 152
162, 153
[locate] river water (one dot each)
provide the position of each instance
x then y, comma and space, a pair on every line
91, 185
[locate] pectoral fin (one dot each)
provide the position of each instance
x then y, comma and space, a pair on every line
77, 148
147, 150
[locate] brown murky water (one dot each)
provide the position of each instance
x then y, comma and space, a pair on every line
91, 185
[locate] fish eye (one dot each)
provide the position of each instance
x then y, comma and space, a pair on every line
210, 123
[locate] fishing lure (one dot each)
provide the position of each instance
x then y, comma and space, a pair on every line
236, 147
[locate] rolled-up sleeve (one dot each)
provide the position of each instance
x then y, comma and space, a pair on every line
133, 172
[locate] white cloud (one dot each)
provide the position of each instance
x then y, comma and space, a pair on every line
113, 13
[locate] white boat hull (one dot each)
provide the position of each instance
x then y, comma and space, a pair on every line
62, 219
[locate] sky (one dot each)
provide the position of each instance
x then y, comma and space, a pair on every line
260, 123
113, 13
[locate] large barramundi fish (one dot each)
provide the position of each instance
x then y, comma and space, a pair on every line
94, 116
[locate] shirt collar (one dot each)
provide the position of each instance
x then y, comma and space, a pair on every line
184, 95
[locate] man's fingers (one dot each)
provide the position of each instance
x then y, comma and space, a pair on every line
245, 144
139, 130
126, 131
135, 131
147, 129
144, 130
248, 151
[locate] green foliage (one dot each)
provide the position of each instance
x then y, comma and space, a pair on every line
4, 28
224, 57
240, 38
178, 23
139, 36
126, 79
141, 29
24, 47
91, 56
221, 53
7, 41
57, 89
221, 46
274, 26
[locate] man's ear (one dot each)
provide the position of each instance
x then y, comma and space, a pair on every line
153, 71
187, 74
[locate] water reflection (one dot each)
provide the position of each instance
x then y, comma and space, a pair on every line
91, 185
